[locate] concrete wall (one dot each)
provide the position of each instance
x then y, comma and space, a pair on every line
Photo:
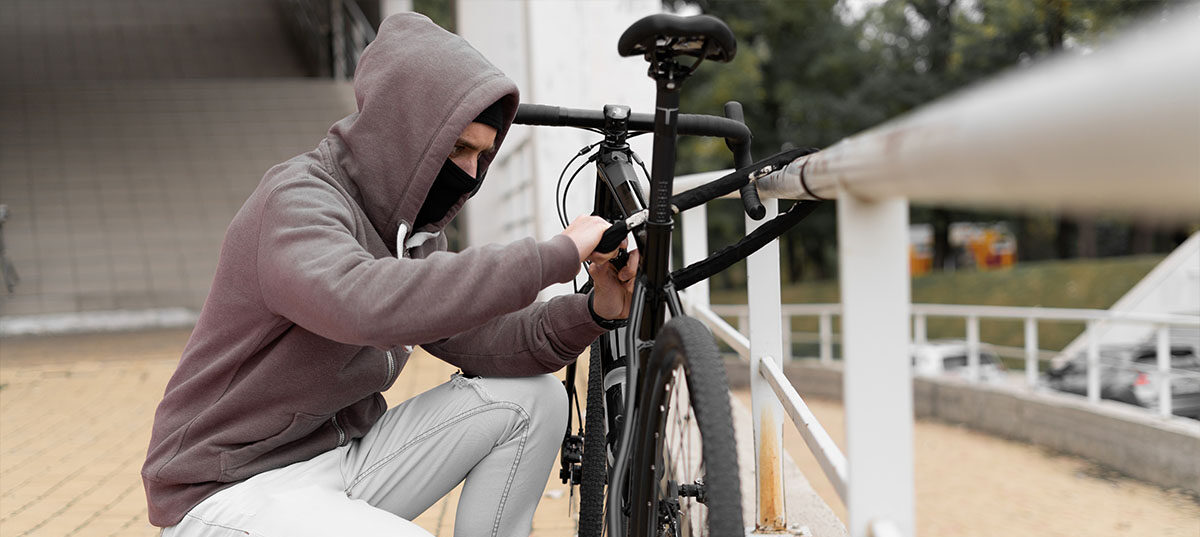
562, 53
1137, 443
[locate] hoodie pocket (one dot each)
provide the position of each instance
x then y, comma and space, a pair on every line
234, 462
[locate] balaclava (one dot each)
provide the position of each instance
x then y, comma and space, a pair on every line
452, 183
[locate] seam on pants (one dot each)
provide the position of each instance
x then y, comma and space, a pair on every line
215, 525
512, 473
501, 405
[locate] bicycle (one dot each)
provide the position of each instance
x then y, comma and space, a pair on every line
665, 448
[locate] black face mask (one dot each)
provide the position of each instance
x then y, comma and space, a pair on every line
449, 186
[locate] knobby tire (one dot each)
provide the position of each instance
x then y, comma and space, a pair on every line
688, 343
595, 449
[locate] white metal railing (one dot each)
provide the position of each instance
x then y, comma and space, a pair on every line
971, 315
1114, 130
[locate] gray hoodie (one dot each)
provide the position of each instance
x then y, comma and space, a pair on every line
316, 299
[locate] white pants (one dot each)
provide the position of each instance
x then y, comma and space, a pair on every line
500, 435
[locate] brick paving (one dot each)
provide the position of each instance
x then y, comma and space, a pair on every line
75, 416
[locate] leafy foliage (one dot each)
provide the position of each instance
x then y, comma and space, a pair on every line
812, 72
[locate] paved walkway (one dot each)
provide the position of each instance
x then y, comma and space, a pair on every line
75, 414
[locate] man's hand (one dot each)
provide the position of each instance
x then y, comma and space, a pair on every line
614, 289
586, 231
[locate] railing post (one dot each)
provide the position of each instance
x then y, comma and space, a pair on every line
825, 327
766, 311
973, 348
873, 247
695, 248
337, 39
1093, 361
1164, 370
919, 331
1031, 351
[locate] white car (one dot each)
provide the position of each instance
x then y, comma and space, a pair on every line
948, 357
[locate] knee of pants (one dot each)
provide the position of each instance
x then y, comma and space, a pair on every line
550, 403
542, 397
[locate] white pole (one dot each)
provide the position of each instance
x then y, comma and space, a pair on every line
766, 312
919, 331
1164, 371
1093, 361
695, 248
872, 239
973, 348
825, 327
1031, 352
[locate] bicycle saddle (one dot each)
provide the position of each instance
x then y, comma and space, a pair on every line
702, 36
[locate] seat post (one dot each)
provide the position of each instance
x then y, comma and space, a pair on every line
669, 76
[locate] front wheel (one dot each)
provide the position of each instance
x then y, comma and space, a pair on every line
695, 489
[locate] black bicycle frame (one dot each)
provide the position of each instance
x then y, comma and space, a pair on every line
618, 195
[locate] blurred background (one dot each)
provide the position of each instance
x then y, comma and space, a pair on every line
131, 131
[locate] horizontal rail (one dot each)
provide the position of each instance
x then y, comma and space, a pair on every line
991, 312
822, 446
1114, 130
1054, 314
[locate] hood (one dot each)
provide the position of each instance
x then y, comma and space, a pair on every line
417, 87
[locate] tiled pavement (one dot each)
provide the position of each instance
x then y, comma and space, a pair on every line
75, 414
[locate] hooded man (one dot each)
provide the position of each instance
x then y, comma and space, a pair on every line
273, 423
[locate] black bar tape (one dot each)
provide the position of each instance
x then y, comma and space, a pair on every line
742, 158
750, 202
612, 237
727, 256
538, 114
689, 124
733, 181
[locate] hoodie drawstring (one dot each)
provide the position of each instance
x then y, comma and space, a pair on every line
416, 240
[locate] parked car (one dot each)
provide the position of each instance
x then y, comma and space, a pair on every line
1129, 373
949, 357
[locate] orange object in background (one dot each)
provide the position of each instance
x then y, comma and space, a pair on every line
984, 246
992, 247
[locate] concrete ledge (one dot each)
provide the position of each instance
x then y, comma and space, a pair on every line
95, 321
1163, 451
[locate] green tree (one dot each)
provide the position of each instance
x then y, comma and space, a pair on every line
809, 75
